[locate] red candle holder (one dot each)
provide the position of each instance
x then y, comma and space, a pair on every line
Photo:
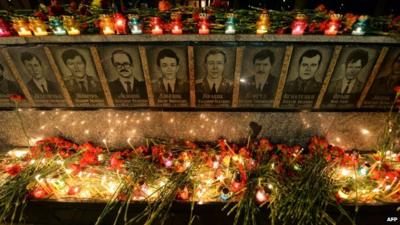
4, 28
299, 24
120, 24
333, 25
156, 25
203, 24
176, 24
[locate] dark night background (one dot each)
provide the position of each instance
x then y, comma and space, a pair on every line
370, 7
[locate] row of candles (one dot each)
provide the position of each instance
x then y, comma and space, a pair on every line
119, 24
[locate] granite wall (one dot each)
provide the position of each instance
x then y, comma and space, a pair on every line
116, 127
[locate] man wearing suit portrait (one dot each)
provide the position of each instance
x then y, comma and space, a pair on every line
385, 84
38, 84
126, 84
7, 87
261, 83
349, 83
214, 82
306, 82
79, 82
169, 82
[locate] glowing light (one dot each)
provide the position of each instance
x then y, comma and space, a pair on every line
365, 131
18, 153
261, 196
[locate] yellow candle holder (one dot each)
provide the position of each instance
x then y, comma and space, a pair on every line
263, 23
38, 27
71, 25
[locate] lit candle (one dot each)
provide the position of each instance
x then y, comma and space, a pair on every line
156, 25
230, 24
134, 24
261, 196
37, 26
299, 24
263, 23
120, 23
4, 28
176, 24
334, 24
71, 25
106, 24
360, 26
203, 24
21, 26
56, 26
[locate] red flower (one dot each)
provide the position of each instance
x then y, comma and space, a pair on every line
13, 169
17, 98
88, 158
116, 161
39, 193
397, 89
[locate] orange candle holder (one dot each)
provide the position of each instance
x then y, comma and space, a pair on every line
156, 26
333, 24
21, 25
176, 24
38, 26
203, 24
263, 24
106, 24
71, 25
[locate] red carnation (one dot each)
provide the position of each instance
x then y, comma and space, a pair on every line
116, 161
13, 169
17, 98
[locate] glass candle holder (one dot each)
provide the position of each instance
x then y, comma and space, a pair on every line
38, 26
176, 23
156, 25
4, 28
56, 26
135, 25
21, 25
120, 24
263, 23
360, 27
71, 25
203, 24
299, 24
333, 24
230, 24
106, 24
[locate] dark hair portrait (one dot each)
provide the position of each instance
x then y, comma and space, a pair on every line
27, 56
71, 54
214, 52
167, 53
264, 54
310, 54
120, 52
356, 55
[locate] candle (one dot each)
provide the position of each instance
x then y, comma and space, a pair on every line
21, 26
38, 27
134, 24
4, 28
333, 24
106, 24
203, 24
176, 24
71, 25
156, 26
230, 24
120, 23
56, 26
263, 23
299, 24
359, 28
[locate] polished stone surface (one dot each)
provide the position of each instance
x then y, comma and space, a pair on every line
198, 38
116, 127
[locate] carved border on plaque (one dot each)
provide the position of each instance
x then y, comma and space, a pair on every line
192, 76
373, 75
102, 76
283, 76
236, 79
146, 75
329, 72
